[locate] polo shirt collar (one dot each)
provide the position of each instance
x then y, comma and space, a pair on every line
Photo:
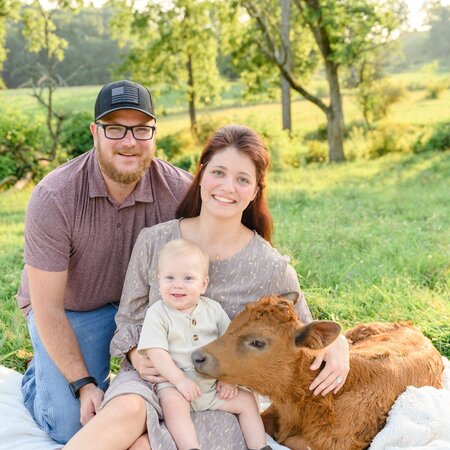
143, 191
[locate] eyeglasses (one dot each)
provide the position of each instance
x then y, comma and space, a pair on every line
117, 132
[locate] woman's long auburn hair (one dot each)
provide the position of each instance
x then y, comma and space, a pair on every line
246, 141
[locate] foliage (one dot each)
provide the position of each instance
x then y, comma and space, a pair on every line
172, 45
8, 9
388, 137
438, 42
434, 84
21, 144
89, 55
340, 33
436, 88
41, 37
438, 139
369, 241
173, 145
182, 148
76, 137
376, 98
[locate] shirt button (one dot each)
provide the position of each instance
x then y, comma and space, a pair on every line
119, 225
194, 322
195, 337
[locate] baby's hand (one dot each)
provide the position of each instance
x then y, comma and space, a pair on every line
189, 389
226, 391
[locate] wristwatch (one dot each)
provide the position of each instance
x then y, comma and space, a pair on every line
75, 386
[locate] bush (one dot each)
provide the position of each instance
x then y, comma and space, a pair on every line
436, 87
376, 98
76, 137
389, 138
285, 148
415, 86
356, 143
437, 140
319, 134
206, 126
7, 166
317, 152
22, 142
187, 162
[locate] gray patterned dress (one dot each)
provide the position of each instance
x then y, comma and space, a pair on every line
255, 271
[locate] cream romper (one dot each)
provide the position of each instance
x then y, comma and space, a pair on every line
180, 335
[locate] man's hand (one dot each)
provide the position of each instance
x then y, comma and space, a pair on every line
226, 391
90, 400
144, 366
189, 389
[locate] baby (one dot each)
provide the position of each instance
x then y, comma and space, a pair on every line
177, 326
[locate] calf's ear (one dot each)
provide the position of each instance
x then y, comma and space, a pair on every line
318, 334
291, 296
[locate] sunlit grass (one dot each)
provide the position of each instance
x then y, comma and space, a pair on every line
369, 242
369, 239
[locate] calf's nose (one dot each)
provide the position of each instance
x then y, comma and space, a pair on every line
198, 358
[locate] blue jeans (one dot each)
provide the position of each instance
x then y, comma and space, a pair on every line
46, 392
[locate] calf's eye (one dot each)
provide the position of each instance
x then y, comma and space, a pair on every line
257, 344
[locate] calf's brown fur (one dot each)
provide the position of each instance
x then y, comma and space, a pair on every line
268, 349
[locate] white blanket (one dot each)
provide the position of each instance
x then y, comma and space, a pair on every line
419, 419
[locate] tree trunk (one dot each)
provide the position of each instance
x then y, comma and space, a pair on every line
191, 94
335, 116
286, 103
285, 85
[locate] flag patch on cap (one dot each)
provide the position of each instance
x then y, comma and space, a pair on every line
125, 94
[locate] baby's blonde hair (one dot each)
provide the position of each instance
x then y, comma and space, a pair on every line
183, 247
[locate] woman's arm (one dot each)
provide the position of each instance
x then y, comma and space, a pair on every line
134, 300
133, 307
336, 356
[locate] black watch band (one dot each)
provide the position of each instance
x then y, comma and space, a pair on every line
75, 386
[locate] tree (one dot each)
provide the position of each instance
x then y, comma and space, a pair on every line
174, 46
438, 18
342, 31
89, 56
8, 9
285, 86
41, 37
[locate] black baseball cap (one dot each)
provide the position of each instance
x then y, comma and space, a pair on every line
123, 94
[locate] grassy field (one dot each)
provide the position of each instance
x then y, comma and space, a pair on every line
415, 109
369, 241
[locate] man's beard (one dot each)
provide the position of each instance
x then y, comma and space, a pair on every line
123, 177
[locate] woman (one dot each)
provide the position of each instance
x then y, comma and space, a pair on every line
225, 212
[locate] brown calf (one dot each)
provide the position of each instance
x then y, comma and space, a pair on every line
268, 349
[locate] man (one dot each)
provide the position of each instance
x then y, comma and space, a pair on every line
81, 224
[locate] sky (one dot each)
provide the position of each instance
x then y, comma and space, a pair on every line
416, 15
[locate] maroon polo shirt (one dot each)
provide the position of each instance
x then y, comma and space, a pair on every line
73, 224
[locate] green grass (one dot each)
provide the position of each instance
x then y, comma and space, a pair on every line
15, 347
415, 109
369, 241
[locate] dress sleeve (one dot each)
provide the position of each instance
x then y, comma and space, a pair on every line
284, 279
135, 298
